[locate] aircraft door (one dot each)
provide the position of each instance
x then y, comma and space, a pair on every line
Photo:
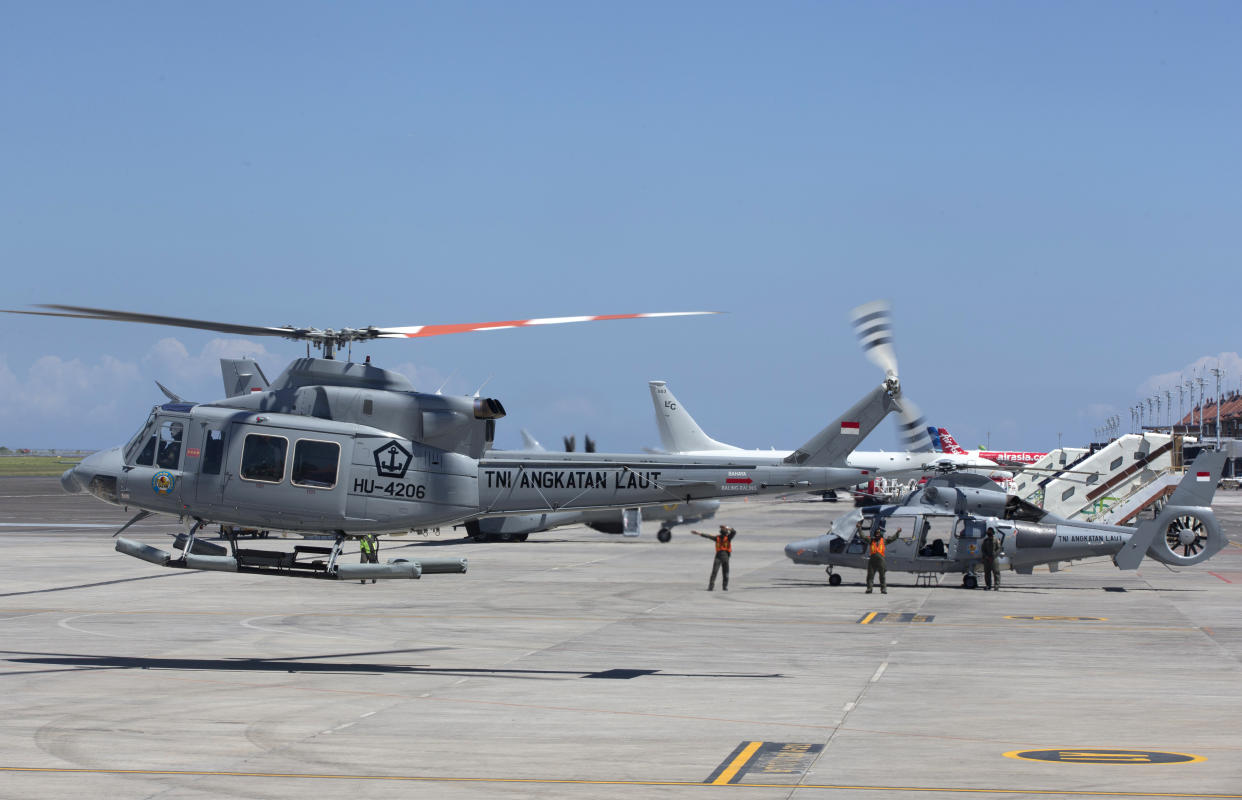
902, 551
212, 475
156, 478
967, 540
935, 533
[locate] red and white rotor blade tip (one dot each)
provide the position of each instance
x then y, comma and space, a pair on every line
417, 331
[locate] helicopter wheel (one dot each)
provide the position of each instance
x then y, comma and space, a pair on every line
834, 579
664, 534
969, 581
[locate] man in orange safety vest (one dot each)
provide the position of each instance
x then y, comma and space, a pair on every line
875, 560
724, 548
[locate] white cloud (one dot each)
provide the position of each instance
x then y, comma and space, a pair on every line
57, 388
168, 360
1098, 412
1231, 363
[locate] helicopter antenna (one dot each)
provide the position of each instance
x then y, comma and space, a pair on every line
484, 383
446, 380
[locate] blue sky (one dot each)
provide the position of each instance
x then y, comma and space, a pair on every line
1049, 194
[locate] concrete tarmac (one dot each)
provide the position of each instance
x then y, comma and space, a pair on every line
582, 665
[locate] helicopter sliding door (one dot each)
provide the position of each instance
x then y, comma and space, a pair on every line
288, 479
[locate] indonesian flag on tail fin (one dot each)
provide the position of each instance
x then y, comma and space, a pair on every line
1203, 476
849, 428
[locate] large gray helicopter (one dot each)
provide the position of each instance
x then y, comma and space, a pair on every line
944, 523
354, 450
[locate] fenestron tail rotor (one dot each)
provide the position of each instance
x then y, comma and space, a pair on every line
328, 339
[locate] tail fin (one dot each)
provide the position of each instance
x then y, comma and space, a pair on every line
679, 433
242, 376
934, 435
950, 444
830, 446
1186, 522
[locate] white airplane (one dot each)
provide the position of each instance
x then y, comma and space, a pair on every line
680, 434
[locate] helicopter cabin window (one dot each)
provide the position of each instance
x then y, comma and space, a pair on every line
171, 435
263, 458
213, 452
315, 463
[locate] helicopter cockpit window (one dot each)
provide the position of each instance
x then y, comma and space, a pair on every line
147, 457
263, 458
315, 463
171, 435
213, 452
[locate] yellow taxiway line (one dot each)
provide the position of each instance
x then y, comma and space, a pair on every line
743, 757
158, 773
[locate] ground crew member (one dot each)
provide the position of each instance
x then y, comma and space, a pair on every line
368, 552
991, 549
724, 547
875, 563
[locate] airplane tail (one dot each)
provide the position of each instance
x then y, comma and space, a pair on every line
949, 444
242, 376
933, 433
679, 433
1186, 531
829, 447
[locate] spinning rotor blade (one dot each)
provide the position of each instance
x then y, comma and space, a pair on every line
912, 426
419, 331
873, 325
326, 338
82, 312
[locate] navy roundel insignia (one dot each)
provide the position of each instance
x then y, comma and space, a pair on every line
163, 482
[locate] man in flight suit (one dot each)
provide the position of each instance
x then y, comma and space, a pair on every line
991, 549
724, 547
875, 562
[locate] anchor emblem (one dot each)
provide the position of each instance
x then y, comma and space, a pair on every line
392, 459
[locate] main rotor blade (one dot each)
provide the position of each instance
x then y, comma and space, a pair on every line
418, 331
873, 325
82, 312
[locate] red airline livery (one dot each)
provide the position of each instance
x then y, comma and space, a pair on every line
949, 445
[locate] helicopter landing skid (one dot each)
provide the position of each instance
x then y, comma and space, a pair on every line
305, 561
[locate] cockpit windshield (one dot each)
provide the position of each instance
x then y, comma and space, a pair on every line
135, 448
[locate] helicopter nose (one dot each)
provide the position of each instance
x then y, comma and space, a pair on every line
802, 551
97, 474
69, 481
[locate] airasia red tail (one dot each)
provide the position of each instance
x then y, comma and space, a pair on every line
949, 445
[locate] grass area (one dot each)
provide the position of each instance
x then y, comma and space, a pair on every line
35, 466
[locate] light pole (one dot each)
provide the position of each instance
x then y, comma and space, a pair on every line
1219, 373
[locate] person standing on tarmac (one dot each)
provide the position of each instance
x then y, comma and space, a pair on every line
876, 563
991, 549
724, 547
368, 552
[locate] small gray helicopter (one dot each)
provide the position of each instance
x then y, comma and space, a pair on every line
353, 450
945, 520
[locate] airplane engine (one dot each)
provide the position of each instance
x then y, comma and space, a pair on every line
1186, 535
